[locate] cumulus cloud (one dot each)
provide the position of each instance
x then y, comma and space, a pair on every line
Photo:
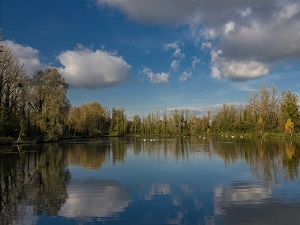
93, 69
251, 34
236, 70
27, 55
156, 77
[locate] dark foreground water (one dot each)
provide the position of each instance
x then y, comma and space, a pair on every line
163, 181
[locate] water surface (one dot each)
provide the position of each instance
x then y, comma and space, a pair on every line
192, 180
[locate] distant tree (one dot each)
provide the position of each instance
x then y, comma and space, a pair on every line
73, 120
289, 127
136, 125
260, 125
289, 108
264, 104
118, 126
90, 119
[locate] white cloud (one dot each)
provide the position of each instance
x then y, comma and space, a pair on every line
175, 65
93, 69
185, 76
195, 62
206, 45
228, 27
236, 70
27, 55
176, 47
156, 77
289, 11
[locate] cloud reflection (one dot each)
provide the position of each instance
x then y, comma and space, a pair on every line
239, 194
95, 198
247, 205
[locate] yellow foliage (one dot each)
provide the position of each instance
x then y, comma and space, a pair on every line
289, 127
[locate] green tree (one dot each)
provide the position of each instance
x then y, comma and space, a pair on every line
289, 108
136, 125
49, 103
92, 119
118, 126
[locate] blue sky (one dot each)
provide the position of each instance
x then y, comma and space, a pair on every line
149, 55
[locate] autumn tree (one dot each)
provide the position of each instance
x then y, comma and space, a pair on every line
289, 127
289, 108
264, 105
90, 119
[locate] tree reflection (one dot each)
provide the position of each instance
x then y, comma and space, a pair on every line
37, 178
92, 155
267, 158
291, 161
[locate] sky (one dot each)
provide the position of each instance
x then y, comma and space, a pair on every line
150, 55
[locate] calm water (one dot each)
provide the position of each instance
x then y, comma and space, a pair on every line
164, 181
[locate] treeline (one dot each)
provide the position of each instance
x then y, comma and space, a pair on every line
36, 107
265, 113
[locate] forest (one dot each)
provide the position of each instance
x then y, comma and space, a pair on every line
35, 107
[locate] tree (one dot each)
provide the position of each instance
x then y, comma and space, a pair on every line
72, 120
264, 104
49, 103
289, 108
118, 126
136, 125
90, 119
289, 127
13, 85
260, 125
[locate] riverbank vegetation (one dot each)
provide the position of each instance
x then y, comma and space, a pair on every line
35, 107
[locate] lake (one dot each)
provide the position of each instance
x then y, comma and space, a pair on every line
181, 180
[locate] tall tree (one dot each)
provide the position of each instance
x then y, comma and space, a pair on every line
289, 108
264, 105
13, 84
49, 103
118, 126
